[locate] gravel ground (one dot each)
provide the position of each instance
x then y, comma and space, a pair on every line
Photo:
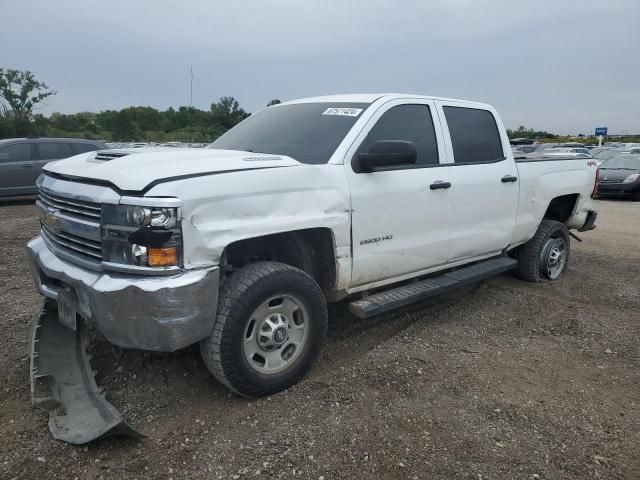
503, 380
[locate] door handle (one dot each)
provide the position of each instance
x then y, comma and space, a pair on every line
508, 178
26, 166
439, 185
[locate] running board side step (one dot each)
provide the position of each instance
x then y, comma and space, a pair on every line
414, 292
63, 384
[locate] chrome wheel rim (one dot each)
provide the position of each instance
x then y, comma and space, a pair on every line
276, 334
554, 257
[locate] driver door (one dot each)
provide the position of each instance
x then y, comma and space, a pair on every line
400, 222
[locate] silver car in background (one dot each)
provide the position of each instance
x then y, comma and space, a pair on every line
578, 152
22, 159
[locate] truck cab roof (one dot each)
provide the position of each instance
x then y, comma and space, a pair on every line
371, 97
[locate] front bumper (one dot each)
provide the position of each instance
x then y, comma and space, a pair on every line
163, 313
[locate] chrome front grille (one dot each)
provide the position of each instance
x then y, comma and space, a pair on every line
71, 227
73, 243
73, 207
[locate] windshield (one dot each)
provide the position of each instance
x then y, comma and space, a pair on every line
307, 132
623, 161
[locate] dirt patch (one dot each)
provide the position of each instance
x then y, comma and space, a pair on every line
503, 380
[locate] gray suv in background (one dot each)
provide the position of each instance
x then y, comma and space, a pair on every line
22, 159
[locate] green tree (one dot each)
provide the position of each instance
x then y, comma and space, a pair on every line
275, 101
524, 132
227, 112
123, 127
40, 125
20, 92
140, 123
6, 126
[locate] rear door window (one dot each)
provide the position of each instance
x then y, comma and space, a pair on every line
410, 123
474, 135
54, 151
17, 152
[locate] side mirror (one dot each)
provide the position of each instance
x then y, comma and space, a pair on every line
388, 153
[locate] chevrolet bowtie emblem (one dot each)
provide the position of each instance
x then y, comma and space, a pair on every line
50, 219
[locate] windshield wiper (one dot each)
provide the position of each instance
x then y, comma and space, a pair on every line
618, 168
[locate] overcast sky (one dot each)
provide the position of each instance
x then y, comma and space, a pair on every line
565, 65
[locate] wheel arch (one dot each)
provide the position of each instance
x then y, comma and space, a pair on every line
562, 207
311, 250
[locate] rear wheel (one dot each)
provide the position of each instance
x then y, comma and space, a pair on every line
546, 255
270, 327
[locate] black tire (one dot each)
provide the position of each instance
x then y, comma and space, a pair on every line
635, 196
242, 293
530, 255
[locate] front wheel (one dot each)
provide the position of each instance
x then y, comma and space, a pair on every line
270, 327
546, 255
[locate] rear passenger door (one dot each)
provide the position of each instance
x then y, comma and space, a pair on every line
485, 181
17, 169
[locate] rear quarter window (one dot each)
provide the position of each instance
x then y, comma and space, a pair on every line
474, 135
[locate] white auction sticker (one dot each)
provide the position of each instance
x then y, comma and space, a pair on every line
345, 112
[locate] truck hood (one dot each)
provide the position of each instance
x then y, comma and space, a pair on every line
138, 169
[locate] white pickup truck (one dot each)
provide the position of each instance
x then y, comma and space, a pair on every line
384, 199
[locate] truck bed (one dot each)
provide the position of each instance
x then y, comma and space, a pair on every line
542, 158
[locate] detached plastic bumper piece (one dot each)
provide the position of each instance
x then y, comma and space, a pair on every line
63, 384
589, 223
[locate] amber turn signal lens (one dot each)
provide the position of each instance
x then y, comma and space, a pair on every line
162, 256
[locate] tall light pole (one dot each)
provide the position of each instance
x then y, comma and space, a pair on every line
191, 89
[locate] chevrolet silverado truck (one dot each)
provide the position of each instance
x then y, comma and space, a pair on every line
383, 200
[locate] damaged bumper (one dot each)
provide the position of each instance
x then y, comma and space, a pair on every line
162, 313
63, 384
149, 313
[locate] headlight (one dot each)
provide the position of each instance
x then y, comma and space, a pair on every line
141, 236
139, 215
156, 216
632, 178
